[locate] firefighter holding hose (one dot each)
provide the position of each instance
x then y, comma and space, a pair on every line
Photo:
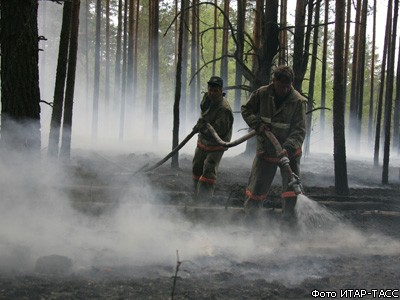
216, 111
277, 107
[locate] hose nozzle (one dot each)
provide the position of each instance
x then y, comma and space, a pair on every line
296, 185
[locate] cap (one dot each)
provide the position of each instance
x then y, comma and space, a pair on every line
215, 80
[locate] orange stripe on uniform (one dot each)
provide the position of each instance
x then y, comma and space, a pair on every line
211, 148
195, 177
255, 197
290, 194
210, 181
269, 159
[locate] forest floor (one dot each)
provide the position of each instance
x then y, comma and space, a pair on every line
104, 232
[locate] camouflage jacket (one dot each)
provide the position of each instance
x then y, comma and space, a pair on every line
219, 115
287, 123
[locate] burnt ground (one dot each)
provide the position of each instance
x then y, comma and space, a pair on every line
106, 232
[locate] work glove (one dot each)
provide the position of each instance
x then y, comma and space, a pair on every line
260, 126
200, 125
283, 153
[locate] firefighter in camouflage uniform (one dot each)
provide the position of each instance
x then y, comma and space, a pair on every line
277, 107
216, 111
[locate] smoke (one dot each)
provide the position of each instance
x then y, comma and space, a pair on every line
39, 216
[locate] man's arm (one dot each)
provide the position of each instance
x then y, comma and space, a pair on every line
250, 111
298, 129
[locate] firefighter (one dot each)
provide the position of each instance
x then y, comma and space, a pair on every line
277, 107
216, 111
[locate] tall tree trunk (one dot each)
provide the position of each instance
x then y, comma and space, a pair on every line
185, 55
117, 73
396, 113
215, 36
241, 19
107, 75
312, 77
42, 57
353, 120
382, 84
87, 56
96, 86
299, 45
347, 49
178, 83
124, 71
372, 80
224, 50
20, 93
58, 100
339, 152
149, 75
155, 50
198, 94
361, 66
323, 71
389, 95
257, 27
65, 151
135, 51
193, 59
129, 83
283, 39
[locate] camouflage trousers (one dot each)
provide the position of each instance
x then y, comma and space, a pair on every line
261, 177
204, 170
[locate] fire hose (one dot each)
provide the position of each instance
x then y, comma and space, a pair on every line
284, 162
172, 153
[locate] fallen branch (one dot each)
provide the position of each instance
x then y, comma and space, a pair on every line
178, 264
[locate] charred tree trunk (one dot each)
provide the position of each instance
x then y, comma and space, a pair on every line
372, 80
299, 45
96, 86
241, 17
353, 120
149, 75
283, 39
312, 76
224, 50
396, 113
323, 71
58, 100
341, 182
347, 49
361, 66
123, 77
389, 95
20, 93
155, 50
107, 74
117, 74
135, 52
193, 59
382, 84
215, 37
185, 55
65, 151
129, 83
178, 83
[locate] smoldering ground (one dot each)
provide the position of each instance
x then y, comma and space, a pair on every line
137, 236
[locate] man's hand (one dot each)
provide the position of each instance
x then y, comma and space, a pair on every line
262, 128
200, 125
282, 153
